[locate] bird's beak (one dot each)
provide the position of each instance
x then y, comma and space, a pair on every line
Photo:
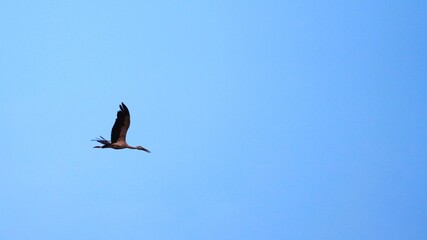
144, 149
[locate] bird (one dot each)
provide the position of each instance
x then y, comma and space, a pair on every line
118, 132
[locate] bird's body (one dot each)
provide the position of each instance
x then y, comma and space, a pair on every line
118, 132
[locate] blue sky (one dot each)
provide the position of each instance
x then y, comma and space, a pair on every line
266, 119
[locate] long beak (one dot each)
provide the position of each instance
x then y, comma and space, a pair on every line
144, 149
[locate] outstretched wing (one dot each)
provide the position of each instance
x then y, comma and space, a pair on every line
101, 140
121, 126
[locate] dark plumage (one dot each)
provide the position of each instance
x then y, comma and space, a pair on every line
119, 131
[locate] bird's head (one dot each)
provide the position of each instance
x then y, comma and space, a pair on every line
142, 148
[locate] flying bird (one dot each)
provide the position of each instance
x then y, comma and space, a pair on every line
118, 132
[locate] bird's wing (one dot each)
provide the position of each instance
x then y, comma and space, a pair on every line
121, 126
101, 140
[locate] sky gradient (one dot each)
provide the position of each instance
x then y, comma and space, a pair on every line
266, 119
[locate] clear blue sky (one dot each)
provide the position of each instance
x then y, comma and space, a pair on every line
266, 119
